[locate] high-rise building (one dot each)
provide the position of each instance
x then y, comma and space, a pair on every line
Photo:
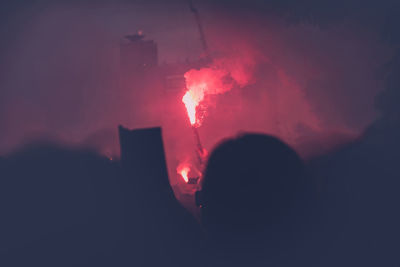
138, 55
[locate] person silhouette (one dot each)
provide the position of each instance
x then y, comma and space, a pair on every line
256, 201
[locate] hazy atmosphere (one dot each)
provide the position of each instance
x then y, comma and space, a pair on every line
199, 133
321, 66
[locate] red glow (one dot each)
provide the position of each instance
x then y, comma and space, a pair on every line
191, 105
199, 83
192, 98
183, 169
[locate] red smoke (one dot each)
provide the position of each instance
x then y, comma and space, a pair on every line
206, 83
223, 74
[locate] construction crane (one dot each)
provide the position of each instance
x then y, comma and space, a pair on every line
195, 12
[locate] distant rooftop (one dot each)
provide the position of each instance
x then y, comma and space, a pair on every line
135, 37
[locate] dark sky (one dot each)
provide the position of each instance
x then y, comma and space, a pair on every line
59, 59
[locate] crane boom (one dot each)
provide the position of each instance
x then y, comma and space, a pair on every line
195, 12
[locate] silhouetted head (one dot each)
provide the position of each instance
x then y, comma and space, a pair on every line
254, 186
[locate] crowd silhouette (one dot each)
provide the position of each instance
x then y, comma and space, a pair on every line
260, 205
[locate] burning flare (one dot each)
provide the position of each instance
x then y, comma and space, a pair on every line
190, 105
201, 84
183, 169
192, 98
